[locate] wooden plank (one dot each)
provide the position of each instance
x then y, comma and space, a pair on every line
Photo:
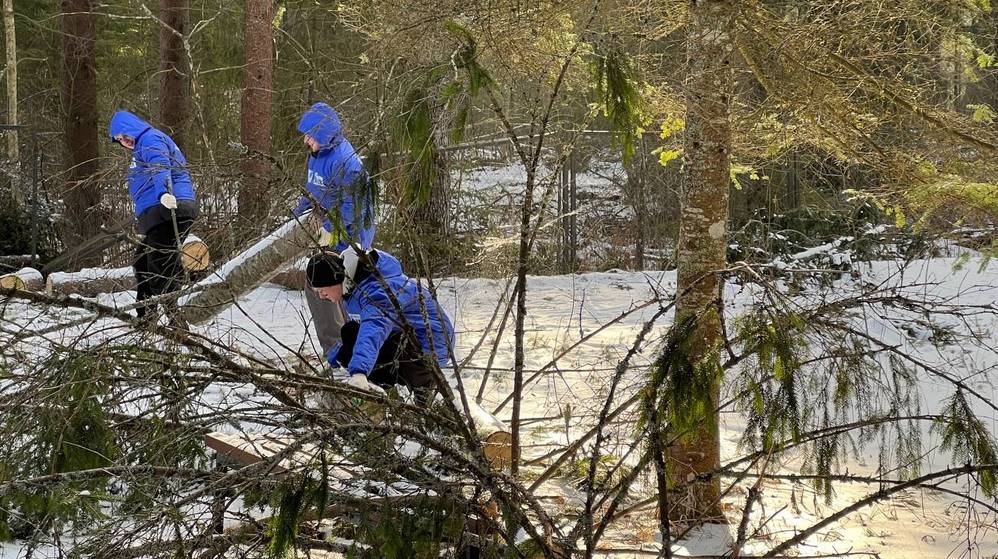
232, 448
246, 449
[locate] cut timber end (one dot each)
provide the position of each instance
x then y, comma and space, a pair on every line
498, 449
25, 279
194, 256
11, 282
497, 440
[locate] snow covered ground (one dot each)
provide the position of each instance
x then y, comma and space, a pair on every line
272, 322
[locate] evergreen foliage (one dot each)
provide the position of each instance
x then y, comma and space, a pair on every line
682, 385
969, 441
68, 431
616, 85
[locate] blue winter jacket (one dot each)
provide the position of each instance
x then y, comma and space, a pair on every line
336, 177
369, 304
154, 159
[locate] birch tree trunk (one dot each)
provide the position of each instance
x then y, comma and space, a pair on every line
703, 239
13, 153
174, 81
81, 193
256, 111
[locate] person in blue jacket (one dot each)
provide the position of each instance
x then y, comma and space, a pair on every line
336, 181
165, 206
372, 345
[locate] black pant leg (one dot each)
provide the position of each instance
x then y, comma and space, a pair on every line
397, 363
142, 277
164, 269
348, 337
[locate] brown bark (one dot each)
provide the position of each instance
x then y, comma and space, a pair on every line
256, 111
703, 237
82, 190
174, 81
90, 282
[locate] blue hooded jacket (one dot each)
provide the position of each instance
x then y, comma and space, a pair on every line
336, 177
155, 158
379, 319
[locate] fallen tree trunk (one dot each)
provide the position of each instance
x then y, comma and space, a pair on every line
25, 279
247, 271
89, 282
106, 238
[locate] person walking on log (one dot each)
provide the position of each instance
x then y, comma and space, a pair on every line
162, 193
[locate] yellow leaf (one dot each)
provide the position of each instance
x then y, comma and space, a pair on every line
668, 155
671, 125
899, 219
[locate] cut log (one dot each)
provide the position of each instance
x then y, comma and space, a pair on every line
89, 282
250, 269
497, 439
194, 256
25, 279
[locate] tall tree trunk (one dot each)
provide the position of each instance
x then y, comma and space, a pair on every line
426, 251
637, 178
703, 240
13, 154
430, 225
82, 190
174, 81
256, 111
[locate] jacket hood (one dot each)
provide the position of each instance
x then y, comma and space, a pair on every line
124, 122
322, 123
388, 265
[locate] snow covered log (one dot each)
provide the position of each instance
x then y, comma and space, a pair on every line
89, 282
496, 437
247, 271
25, 279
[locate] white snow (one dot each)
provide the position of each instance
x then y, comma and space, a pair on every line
90, 274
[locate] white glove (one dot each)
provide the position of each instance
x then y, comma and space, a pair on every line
169, 201
360, 382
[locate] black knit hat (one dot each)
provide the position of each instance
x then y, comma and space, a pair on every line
324, 270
